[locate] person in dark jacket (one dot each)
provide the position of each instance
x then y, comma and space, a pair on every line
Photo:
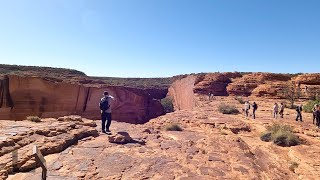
105, 107
317, 113
299, 113
281, 112
254, 108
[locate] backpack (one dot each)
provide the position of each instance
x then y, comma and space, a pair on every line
104, 104
255, 106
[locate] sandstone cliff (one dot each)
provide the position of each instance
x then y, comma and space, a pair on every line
182, 92
24, 96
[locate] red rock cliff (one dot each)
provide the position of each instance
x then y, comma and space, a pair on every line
182, 92
24, 96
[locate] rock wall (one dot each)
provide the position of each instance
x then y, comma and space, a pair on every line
182, 92
25, 96
212, 82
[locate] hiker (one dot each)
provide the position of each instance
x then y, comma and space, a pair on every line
254, 108
275, 110
106, 111
246, 108
210, 95
318, 116
299, 111
314, 112
281, 107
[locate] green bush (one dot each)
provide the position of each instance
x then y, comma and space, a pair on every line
281, 135
227, 109
309, 106
167, 104
34, 118
173, 127
240, 99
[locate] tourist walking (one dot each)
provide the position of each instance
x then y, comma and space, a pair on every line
105, 107
281, 107
275, 110
299, 113
246, 108
254, 108
210, 96
314, 113
317, 116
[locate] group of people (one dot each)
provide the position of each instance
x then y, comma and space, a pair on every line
279, 110
247, 108
316, 115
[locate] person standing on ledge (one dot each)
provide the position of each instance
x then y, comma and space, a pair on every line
254, 109
105, 107
299, 113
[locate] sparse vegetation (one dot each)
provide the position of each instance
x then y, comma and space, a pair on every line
173, 127
167, 104
34, 118
281, 135
293, 166
240, 99
227, 109
309, 106
292, 92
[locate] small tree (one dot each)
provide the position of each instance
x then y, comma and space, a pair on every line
291, 93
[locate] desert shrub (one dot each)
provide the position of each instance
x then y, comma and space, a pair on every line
309, 106
34, 118
293, 166
227, 109
240, 99
266, 136
173, 127
281, 135
167, 104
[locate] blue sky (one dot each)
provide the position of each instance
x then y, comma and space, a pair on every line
157, 38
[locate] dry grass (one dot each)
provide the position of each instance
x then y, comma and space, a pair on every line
281, 135
34, 118
227, 109
173, 127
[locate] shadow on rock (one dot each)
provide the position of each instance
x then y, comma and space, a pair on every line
123, 138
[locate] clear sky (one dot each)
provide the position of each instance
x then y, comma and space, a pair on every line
156, 38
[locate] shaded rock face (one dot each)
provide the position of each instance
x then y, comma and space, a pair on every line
213, 82
41, 97
5, 98
182, 92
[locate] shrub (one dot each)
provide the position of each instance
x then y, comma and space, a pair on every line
173, 127
227, 109
34, 118
281, 135
309, 106
240, 100
167, 104
293, 166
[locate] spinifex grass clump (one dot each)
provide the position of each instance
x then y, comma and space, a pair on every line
173, 127
34, 118
281, 135
227, 109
